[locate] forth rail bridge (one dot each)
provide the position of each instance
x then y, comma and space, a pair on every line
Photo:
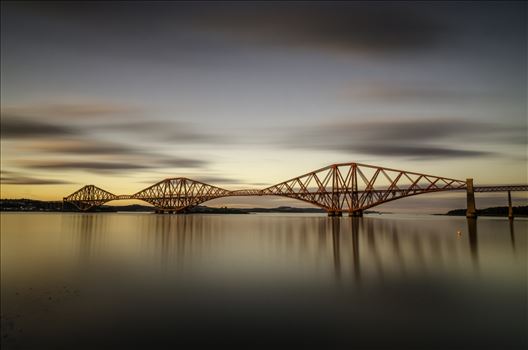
338, 188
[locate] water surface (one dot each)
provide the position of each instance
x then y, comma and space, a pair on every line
262, 280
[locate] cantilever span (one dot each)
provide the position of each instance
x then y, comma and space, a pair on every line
347, 187
337, 188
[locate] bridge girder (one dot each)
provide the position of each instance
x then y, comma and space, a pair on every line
179, 193
89, 196
351, 187
346, 187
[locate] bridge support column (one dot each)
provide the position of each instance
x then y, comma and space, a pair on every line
471, 211
510, 208
335, 213
357, 213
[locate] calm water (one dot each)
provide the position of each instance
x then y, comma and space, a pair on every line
297, 281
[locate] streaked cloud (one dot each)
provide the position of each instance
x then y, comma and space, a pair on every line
32, 181
216, 179
335, 26
317, 25
416, 139
15, 178
175, 162
106, 150
83, 165
406, 91
208, 179
71, 110
416, 152
154, 162
114, 156
82, 146
166, 131
14, 127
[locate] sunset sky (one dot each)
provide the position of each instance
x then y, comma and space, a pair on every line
245, 95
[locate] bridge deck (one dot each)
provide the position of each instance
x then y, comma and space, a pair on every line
501, 188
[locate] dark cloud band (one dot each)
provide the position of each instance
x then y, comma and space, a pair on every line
72, 110
112, 167
334, 26
14, 127
339, 26
417, 152
415, 139
27, 180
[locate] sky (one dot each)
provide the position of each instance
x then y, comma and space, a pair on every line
245, 95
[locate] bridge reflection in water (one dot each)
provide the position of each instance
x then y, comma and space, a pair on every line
372, 247
85, 280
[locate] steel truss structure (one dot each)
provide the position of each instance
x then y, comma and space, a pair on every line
90, 196
337, 188
179, 193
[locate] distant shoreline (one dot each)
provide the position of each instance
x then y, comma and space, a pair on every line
31, 205
25, 205
519, 211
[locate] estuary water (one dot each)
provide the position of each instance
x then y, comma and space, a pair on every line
296, 281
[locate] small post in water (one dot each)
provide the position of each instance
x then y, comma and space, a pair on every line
510, 208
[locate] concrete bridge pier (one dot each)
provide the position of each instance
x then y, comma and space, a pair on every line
510, 208
471, 212
356, 213
335, 213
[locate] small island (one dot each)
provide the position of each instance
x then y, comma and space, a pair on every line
520, 211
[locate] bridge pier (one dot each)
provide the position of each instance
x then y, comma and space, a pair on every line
471, 211
356, 213
510, 208
335, 213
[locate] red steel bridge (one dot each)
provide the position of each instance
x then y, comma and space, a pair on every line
338, 188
